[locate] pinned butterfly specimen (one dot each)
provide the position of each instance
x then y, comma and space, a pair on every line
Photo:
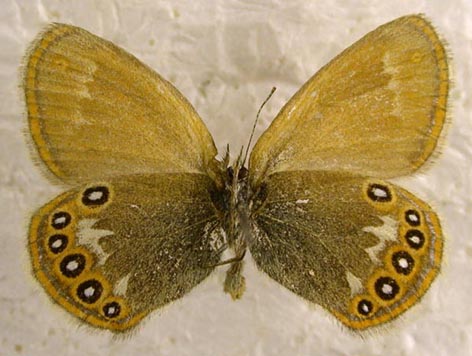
151, 209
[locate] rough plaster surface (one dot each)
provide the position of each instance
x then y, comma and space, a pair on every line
225, 56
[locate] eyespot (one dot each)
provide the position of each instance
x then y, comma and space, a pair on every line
403, 262
72, 265
60, 220
365, 307
412, 217
379, 193
386, 288
95, 196
57, 243
89, 291
362, 306
415, 239
111, 310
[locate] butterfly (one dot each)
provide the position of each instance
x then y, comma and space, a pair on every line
150, 208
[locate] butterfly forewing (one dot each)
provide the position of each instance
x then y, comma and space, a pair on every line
362, 248
94, 110
377, 109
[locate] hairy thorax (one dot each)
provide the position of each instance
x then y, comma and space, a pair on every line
234, 202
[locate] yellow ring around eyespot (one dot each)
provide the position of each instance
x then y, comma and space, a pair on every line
89, 276
355, 301
88, 211
402, 278
403, 230
373, 294
124, 308
70, 242
89, 261
402, 219
382, 206
29, 82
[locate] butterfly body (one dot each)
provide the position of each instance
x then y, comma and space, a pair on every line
151, 210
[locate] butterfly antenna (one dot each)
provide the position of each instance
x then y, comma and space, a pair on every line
255, 123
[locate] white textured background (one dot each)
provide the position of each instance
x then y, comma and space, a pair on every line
225, 56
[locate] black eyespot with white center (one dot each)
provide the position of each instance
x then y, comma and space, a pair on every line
72, 265
90, 291
379, 193
57, 243
386, 288
415, 239
365, 307
412, 217
403, 262
111, 310
60, 220
95, 196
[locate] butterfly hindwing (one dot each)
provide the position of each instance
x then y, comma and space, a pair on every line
364, 249
95, 110
377, 109
111, 252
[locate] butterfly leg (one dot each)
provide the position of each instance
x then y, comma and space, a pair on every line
237, 258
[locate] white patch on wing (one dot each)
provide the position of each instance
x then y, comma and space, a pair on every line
386, 232
90, 237
394, 85
355, 283
121, 286
260, 235
217, 238
86, 76
300, 205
